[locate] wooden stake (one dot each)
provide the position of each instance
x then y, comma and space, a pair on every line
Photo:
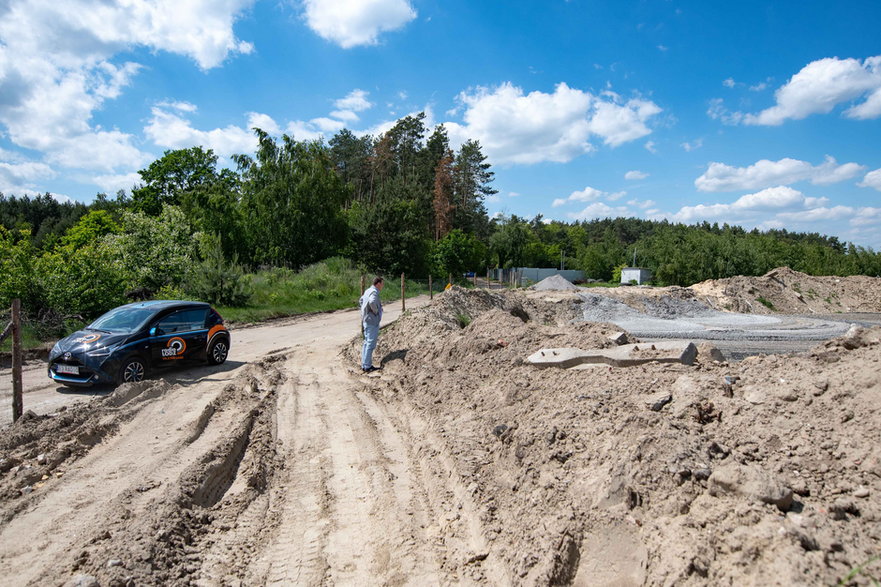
16, 360
430, 291
403, 296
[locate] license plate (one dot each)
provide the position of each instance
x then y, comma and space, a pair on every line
69, 369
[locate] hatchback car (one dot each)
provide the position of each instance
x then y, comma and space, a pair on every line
128, 342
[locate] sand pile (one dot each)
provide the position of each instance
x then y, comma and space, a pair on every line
787, 291
763, 470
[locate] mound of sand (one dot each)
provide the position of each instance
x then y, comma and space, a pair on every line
791, 292
763, 468
554, 283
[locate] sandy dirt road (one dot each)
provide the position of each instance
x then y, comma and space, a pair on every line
279, 469
43, 396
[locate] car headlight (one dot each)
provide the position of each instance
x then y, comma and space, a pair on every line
101, 351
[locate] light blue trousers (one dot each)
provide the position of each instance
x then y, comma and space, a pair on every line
371, 334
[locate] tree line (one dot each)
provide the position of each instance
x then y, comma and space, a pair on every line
401, 202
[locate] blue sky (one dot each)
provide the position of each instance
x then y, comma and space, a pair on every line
762, 114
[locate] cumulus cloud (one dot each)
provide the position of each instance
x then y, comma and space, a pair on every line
822, 85
350, 23
588, 194
170, 129
599, 210
19, 176
866, 216
872, 180
777, 207
356, 101
57, 68
635, 174
720, 177
112, 183
515, 127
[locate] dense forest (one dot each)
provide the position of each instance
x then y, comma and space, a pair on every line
401, 202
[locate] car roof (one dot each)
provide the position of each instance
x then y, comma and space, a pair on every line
159, 305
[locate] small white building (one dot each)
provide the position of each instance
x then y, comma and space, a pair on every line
636, 275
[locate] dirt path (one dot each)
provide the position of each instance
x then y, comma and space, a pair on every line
279, 470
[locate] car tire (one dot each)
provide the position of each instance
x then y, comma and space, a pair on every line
132, 370
218, 350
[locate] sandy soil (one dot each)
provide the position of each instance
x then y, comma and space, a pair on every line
456, 463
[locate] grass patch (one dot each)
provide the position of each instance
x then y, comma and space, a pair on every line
29, 338
765, 302
463, 320
332, 284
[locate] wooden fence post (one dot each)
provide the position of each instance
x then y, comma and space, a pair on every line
475, 279
16, 360
403, 296
362, 285
430, 291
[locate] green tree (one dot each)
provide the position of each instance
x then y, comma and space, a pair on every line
292, 200
170, 176
153, 251
457, 253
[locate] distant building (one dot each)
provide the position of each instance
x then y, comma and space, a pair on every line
636, 275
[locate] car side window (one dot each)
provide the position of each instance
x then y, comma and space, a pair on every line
182, 321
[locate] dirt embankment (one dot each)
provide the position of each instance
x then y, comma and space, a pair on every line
763, 471
791, 292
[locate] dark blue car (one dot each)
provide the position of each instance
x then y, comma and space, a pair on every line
128, 342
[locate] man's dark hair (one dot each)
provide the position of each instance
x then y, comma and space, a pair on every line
377, 279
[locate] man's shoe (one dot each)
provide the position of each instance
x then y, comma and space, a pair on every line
369, 369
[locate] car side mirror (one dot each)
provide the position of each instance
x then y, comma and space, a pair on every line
154, 331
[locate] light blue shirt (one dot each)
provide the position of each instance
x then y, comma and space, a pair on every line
371, 306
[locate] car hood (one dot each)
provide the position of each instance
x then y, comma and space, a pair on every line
88, 340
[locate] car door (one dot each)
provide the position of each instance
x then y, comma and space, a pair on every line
180, 335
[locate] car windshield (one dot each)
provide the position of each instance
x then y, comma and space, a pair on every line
122, 319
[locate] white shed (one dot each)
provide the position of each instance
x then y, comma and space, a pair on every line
638, 275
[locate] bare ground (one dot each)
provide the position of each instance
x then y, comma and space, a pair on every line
457, 463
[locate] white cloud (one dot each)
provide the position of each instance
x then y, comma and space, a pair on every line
721, 178
696, 144
168, 129
264, 122
514, 127
651, 147
588, 194
345, 115
817, 214
57, 68
866, 216
718, 111
19, 177
635, 174
599, 210
355, 101
643, 205
729, 83
780, 198
350, 23
821, 86
872, 180
112, 183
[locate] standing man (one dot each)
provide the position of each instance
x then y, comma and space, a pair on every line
371, 314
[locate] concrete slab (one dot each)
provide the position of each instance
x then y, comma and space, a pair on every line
628, 355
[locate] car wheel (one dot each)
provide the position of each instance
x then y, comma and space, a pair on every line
132, 370
217, 351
